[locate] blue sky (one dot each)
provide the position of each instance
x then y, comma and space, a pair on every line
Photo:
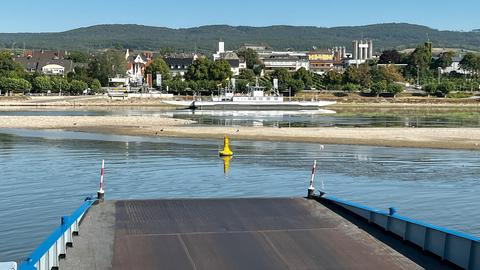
56, 15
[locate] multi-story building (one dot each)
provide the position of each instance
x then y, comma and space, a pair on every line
292, 61
322, 61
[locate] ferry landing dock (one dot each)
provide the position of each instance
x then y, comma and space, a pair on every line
251, 233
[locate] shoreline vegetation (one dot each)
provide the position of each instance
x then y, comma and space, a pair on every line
442, 138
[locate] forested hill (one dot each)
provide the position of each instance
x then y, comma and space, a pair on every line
390, 35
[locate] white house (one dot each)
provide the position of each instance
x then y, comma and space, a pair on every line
53, 69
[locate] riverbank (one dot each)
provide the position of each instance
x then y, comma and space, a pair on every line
351, 100
445, 138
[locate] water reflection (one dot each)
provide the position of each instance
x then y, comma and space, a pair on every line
226, 164
340, 117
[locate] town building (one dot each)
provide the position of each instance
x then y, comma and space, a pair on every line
48, 62
455, 66
322, 61
136, 64
292, 61
179, 63
236, 64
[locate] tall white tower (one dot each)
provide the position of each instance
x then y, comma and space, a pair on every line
221, 47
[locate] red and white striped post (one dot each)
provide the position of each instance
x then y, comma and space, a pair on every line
101, 192
311, 189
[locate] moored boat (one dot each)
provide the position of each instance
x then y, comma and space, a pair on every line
254, 100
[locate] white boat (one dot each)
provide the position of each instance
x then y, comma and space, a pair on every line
254, 100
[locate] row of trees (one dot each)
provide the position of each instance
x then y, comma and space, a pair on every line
14, 78
366, 78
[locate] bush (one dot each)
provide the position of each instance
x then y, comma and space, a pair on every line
15, 84
96, 86
77, 87
459, 95
42, 84
378, 87
430, 88
394, 88
351, 87
444, 88
60, 84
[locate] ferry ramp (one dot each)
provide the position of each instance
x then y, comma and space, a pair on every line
254, 233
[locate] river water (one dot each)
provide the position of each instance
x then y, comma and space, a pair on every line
339, 117
46, 174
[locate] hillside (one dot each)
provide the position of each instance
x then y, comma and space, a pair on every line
391, 35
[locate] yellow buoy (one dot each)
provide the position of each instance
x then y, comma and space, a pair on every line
226, 152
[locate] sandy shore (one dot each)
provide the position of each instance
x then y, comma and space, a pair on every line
88, 122
447, 138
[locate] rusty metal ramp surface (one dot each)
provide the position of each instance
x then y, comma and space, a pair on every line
243, 234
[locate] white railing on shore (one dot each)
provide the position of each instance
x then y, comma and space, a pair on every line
460, 249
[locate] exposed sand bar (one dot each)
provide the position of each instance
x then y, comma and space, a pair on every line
448, 138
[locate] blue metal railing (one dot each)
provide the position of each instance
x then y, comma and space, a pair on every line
458, 248
47, 254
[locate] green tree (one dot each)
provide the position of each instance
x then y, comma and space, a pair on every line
294, 85
444, 88
42, 84
387, 73
96, 86
198, 70
10, 68
471, 63
107, 65
444, 60
242, 85
60, 84
351, 75
305, 76
390, 57
358, 75
158, 65
220, 70
247, 74
430, 89
284, 77
77, 87
394, 88
15, 84
251, 58
193, 85
331, 78
78, 57
378, 87
421, 57
267, 84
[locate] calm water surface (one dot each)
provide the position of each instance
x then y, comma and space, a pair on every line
46, 174
340, 117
